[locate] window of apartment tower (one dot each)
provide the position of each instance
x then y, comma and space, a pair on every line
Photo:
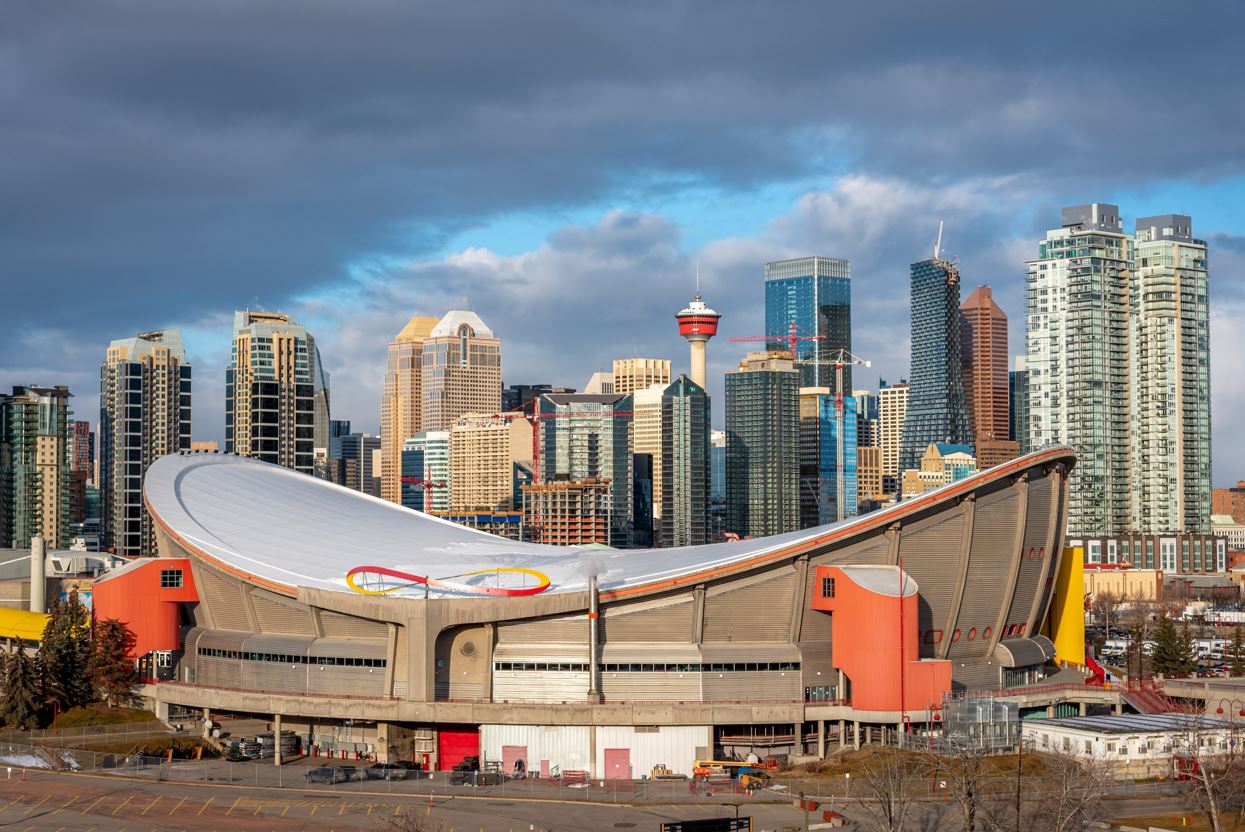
170, 579
827, 587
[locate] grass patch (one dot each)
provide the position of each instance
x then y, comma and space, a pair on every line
183, 748
100, 714
1197, 822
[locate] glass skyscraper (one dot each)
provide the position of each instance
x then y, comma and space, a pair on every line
763, 446
937, 411
814, 293
685, 464
819, 454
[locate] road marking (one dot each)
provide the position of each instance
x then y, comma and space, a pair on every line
342, 810
92, 806
397, 809
148, 809
10, 805
234, 806
178, 806
37, 805
313, 809
205, 805
68, 803
122, 805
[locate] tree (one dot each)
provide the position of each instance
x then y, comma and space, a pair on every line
964, 772
1173, 654
22, 692
1236, 652
891, 778
65, 654
111, 665
1069, 794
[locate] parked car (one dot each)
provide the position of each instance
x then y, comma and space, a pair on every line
326, 774
385, 771
350, 773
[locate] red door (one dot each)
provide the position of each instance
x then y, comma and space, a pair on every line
454, 742
618, 764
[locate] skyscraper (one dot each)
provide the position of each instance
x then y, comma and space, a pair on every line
461, 370
144, 413
483, 453
352, 463
81, 466
819, 458
1018, 403
402, 402
815, 294
1169, 384
632, 374
762, 445
685, 464
937, 411
892, 411
34, 466
584, 436
1078, 361
983, 353
274, 391
426, 456
646, 439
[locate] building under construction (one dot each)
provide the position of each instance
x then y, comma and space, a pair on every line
568, 513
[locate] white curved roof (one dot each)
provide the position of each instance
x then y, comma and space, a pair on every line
287, 529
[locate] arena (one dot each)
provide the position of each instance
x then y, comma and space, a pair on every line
373, 630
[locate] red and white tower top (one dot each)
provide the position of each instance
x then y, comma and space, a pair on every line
698, 323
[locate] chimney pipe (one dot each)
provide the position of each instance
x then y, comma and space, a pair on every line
593, 614
38, 574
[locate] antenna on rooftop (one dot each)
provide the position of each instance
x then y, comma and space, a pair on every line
938, 242
697, 277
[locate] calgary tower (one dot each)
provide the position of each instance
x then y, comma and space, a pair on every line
698, 323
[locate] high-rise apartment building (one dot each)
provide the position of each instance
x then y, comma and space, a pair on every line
274, 391
34, 466
820, 450
867, 428
937, 410
763, 445
401, 402
685, 464
1169, 380
520, 396
892, 411
461, 370
1018, 404
483, 453
584, 436
426, 456
983, 354
81, 468
717, 483
1230, 501
144, 413
868, 477
632, 374
1078, 361
815, 295
570, 512
646, 439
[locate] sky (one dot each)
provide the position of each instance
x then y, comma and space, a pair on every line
561, 168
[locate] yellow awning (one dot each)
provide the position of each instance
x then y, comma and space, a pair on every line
22, 624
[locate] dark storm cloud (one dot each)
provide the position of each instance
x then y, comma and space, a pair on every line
161, 163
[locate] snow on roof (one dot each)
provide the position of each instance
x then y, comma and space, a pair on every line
455, 318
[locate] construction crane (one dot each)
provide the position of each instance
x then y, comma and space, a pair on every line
839, 359
427, 484
791, 338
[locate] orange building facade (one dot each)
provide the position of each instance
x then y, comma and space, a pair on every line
162, 583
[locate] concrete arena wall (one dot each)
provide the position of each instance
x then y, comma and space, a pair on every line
982, 558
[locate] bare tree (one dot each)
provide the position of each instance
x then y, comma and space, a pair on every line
892, 780
963, 773
1069, 794
1210, 755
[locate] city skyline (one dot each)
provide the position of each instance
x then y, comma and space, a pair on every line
352, 238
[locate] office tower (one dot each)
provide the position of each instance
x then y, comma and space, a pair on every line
273, 391
484, 450
600, 383
144, 413
632, 374
584, 436
643, 490
353, 463
402, 402
868, 477
646, 439
762, 445
685, 464
815, 295
867, 427
1018, 404
1230, 501
428, 462
983, 354
34, 466
698, 323
461, 370
81, 464
937, 410
717, 483
892, 412
942, 463
1169, 381
1078, 361
520, 396
819, 458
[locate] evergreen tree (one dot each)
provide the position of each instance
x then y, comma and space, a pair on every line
66, 654
1188, 651
111, 665
22, 694
1236, 652
1172, 650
